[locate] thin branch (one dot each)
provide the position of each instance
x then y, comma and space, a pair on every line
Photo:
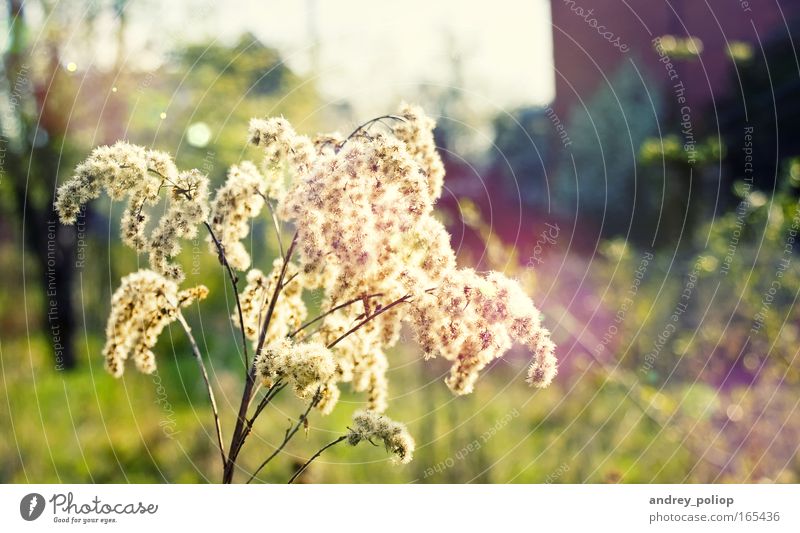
271, 393
248, 427
319, 452
234, 285
288, 281
275, 223
368, 123
289, 434
255, 393
212, 399
274, 300
377, 313
333, 310
237, 438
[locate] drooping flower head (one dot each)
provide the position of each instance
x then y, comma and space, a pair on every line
238, 201
363, 209
473, 319
307, 366
143, 305
369, 425
127, 171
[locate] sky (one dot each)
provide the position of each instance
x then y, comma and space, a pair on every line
368, 53
371, 53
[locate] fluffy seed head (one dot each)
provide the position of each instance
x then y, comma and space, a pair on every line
369, 425
143, 305
127, 171
307, 366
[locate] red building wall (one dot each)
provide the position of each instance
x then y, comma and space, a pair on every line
582, 55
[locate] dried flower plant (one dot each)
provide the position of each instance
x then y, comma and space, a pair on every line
365, 235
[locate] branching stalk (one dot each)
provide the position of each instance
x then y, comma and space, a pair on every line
234, 285
376, 314
333, 310
319, 452
369, 123
289, 434
237, 440
212, 399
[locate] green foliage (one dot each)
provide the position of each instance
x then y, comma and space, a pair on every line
723, 315
606, 135
522, 152
219, 88
86, 426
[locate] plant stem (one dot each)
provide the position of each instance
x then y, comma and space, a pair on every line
274, 300
199, 357
319, 452
289, 434
237, 440
248, 427
369, 123
333, 310
397, 302
274, 223
234, 285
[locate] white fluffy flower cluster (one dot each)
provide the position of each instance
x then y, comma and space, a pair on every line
281, 143
360, 356
363, 209
367, 239
188, 208
360, 213
307, 366
127, 171
289, 311
368, 425
472, 318
416, 131
143, 305
238, 201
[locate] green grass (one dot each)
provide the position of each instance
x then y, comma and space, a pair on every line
85, 426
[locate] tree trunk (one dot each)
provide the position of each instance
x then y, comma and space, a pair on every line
33, 175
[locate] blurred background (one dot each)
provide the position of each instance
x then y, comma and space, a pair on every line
635, 164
